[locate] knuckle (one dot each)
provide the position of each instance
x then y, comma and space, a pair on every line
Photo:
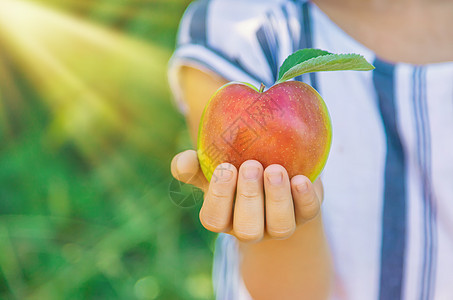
310, 209
218, 193
212, 223
248, 236
250, 194
281, 235
281, 231
279, 197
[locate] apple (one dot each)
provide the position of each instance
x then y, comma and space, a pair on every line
288, 124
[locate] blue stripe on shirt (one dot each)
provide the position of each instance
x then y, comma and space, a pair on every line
268, 49
306, 39
394, 203
285, 12
197, 29
422, 127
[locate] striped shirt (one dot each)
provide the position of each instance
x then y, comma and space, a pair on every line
388, 182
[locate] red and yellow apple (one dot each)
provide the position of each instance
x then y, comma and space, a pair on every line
288, 125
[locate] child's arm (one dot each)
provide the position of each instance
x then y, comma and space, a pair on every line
283, 245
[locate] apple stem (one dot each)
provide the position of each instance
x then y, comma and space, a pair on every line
262, 88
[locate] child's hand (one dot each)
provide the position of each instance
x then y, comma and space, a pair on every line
266, 202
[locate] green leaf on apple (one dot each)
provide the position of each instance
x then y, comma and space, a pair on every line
315, 60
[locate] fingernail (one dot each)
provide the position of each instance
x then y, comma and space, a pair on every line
302, 187
251, 172
179, 163
275, 178
223, 174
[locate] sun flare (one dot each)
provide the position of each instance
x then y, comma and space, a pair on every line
92, 78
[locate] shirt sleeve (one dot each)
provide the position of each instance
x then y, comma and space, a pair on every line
226, 275
238, 40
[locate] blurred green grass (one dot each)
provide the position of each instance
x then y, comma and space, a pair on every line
84, 203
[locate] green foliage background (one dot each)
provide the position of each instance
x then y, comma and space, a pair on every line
84, 158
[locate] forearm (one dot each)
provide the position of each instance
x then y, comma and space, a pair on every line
296, 268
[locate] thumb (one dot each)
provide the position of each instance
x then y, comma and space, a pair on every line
186, 168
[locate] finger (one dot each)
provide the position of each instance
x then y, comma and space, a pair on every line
185, 168
248, 218
319, 189
217, 210
280, 220
306, 202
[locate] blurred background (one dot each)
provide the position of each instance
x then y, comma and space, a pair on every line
87, 132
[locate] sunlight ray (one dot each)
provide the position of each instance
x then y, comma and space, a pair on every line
85, 72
